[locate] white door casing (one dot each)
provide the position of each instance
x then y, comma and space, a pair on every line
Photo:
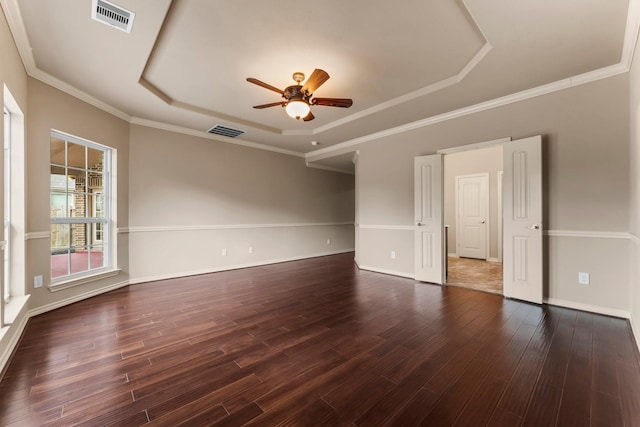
472, 215
429, 219
522, 219
499, 219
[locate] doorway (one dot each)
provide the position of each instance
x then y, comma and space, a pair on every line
472, 203
521, 217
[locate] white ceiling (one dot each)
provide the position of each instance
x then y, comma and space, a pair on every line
185, 63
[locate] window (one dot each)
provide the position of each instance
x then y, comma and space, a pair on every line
6, 292
80, 207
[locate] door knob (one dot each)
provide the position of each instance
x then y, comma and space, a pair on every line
535, 227
483, 222
419, 224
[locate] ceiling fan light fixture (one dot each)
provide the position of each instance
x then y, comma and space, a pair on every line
297, 108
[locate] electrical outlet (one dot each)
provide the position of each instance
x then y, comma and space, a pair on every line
393, 254
250, 249
328, 241
224, 252
37, 281
583, 278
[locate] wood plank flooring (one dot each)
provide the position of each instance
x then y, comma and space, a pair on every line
319, 343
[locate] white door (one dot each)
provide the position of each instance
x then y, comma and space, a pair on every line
522, 219
429, 221
472, 215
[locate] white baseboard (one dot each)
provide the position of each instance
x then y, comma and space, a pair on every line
76, 298
588, 307
233, 267
453, 255
385, 271
636, 334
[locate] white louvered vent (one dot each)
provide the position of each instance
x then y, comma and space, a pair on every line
226, 131
112, 15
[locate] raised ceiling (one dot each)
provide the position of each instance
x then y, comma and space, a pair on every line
185, 63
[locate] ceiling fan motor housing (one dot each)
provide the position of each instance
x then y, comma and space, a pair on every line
295, 92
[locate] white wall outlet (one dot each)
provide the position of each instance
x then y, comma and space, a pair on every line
393, 254
250, 249
328, 241
224, 252
37, 281
583, 278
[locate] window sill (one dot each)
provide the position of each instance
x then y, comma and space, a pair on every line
66, 284
14, 307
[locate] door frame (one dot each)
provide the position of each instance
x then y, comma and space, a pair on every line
487, 211
499, 216
470, 147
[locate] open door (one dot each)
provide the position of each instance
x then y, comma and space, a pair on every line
522, 219
429, 222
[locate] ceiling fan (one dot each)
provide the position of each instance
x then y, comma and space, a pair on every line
297, 97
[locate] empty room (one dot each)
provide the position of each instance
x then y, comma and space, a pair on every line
320, 213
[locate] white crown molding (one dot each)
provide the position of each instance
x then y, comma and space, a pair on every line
183, 228
434, 87
44, 77
16, 25
472, 109
631, 35
19, 32
201, 134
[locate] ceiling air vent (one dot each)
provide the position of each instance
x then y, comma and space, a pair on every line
225, 131
112, 15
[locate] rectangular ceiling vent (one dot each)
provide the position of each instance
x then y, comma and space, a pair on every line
225, 131
112, 15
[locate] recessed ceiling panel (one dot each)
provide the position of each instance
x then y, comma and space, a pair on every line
373, 50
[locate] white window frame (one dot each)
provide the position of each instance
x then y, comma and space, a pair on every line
107, 243
6, 288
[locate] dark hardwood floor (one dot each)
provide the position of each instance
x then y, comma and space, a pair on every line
318, 342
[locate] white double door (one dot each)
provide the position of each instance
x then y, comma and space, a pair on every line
522, 219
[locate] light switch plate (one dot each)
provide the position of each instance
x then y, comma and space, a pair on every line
583, 278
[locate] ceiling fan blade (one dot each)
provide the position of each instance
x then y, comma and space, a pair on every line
333, 102
265, 85
273, 104
315, 80
309, 117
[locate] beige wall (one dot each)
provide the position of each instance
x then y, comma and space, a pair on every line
486, 160
49, 109
12, 75
634, 223
586, 183
191, 198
